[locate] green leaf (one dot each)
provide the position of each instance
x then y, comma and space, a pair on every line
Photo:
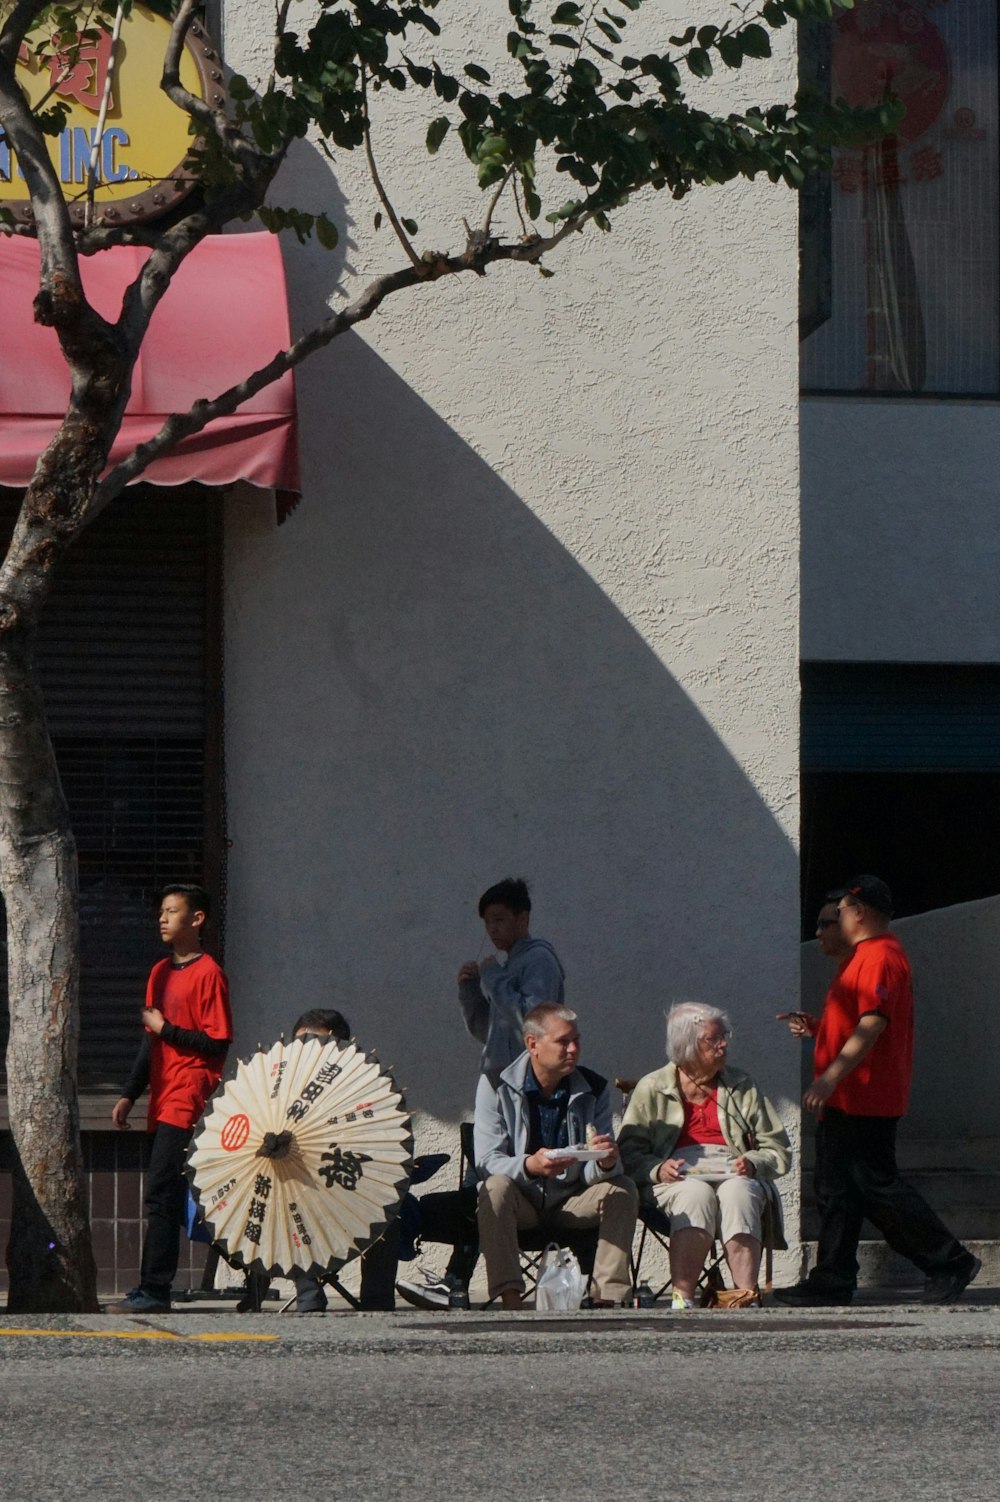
560, 39
544, 270
445, 86
326, 233
570, 207
699, 62
436, 132
410, 225
756, 42
490, 170
493, 146
567, 14
421, 76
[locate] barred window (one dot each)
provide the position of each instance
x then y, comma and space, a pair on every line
901, 242
130, 662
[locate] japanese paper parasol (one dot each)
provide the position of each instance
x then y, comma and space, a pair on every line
302, 1158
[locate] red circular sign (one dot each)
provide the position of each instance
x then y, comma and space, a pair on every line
893, 49
235, 1132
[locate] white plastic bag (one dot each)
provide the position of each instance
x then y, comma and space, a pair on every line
561, 1285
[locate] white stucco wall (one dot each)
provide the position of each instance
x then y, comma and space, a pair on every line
536, 615
898, 530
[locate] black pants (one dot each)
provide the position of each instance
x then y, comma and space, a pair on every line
857, 1178
166, 1190
450, 1217
378, 1277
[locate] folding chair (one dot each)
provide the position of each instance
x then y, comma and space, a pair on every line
450, 1219
533, 1243
379, 1274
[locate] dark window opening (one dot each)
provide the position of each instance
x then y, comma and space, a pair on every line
901, 777
130, 657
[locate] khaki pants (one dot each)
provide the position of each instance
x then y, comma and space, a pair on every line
504, 1209
732, 1208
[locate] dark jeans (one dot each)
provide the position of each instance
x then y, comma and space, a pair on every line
378, 1277
857, 1178
450, 1217
166, 1197
378, 1270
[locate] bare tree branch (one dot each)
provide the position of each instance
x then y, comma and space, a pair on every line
280, 22
22, 17
401, 235
61, 300
204, 411
517, 205
496, 199
197, 109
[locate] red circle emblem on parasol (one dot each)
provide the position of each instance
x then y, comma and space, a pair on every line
235, 1133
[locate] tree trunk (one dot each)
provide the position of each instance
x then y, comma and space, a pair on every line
49, 1257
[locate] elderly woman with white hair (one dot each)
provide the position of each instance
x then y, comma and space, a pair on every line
704, 1144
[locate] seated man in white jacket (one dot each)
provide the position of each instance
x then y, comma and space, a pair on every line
546, 1157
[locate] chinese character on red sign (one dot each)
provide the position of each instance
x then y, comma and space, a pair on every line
848, 173
926, 164
80, 69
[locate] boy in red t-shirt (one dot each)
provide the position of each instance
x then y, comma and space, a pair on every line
189, 1028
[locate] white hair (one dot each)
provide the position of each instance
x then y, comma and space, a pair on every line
541, 1017
683, 1023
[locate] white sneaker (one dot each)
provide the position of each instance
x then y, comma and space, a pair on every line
429, 1291
678, 1301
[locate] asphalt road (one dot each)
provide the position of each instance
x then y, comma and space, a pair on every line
875, 1403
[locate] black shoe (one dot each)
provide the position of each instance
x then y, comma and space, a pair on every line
948, 1288
138, 1301
808, 1296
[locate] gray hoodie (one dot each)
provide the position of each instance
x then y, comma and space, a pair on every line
495, 1005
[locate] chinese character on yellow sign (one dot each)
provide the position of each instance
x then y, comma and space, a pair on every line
145, 138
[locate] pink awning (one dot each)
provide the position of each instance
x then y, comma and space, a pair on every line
224, 316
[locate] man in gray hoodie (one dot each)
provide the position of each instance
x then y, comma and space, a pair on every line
494, 1000
495, 997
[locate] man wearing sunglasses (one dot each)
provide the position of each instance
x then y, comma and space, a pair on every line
861, 1088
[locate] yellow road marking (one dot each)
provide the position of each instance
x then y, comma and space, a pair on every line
133, 1335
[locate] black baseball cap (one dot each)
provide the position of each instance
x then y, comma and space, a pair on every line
871, 890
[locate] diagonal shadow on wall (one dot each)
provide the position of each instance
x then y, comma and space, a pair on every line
426, 692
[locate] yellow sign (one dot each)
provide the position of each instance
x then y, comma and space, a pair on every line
145, 138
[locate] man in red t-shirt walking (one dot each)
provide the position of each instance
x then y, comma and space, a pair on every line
862, 1067
188, 1031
